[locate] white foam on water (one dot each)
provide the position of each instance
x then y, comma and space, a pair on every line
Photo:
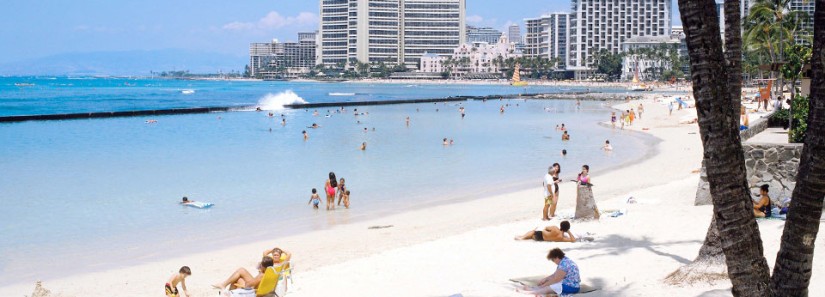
277, 101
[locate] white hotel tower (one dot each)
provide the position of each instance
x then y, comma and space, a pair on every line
389, 31
606, 24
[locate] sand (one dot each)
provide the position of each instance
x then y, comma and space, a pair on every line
467, 248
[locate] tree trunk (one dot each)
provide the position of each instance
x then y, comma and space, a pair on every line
792, 271
709, 266
706, 266
585, 204
741, 241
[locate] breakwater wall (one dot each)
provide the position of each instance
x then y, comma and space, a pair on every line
195, 110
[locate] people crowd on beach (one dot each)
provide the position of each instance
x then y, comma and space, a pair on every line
564, 280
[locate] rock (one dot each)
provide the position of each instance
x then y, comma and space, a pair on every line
786, 154
771, 156
760, 166
758, 154
749, 162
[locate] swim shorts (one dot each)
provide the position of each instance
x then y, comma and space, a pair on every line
537, 236
548, 200
171, 291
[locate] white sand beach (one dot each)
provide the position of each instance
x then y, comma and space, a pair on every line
467, 248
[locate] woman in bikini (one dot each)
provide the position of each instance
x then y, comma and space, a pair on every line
329, 188
555, 173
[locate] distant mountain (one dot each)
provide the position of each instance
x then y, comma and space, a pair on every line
126, 63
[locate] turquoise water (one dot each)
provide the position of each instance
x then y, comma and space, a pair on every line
55, 95
105, 191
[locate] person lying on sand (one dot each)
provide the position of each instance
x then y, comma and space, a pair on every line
241, 278
551, 233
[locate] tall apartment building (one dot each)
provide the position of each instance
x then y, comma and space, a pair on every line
389, 31
284, 59
514, 34
601, 24
548, 37
484, 34
807, 24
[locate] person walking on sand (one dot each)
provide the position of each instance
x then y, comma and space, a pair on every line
171, 287
670, 108
329, 187
551, 233
564, 281
641, 110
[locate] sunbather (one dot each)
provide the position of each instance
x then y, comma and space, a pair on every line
241, 278
551, 233
278, 255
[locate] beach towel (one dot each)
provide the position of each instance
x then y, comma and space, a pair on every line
534, 280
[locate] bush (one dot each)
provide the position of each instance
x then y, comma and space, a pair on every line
799, 107
779, 119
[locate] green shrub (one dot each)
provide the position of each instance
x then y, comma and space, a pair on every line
799, 107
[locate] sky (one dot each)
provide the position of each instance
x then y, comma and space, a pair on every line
31, 29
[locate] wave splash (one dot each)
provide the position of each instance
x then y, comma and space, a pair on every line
277, 101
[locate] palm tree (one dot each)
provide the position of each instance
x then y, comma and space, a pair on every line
772, 24
715, 75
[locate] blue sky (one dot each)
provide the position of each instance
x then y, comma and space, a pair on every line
38, 28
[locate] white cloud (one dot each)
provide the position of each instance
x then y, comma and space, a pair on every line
475, 19
274, 20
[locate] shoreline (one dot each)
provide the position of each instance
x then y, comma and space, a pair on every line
233, 256
455, 197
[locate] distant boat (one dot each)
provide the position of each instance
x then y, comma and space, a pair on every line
188, 92
637, 88
517, 82
23, 85
342, 94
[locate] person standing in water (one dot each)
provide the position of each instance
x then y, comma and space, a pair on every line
342, 188
329, 188
306, 136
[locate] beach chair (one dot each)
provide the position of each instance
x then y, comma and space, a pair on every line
266, 288
284, 270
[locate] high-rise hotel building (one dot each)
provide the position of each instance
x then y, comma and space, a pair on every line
389, 31
548, 37
606, 24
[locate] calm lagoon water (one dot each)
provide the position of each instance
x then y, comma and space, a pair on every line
104, 190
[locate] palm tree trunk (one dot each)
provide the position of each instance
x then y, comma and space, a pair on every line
792, 271
723, 154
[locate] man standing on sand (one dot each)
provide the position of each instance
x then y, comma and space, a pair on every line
550, 233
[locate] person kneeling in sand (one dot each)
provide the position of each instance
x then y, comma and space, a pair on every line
551, 233
565, 280
241, 278
180, 277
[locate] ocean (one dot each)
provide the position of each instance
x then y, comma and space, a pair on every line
104, 193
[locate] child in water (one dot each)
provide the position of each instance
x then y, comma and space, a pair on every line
180, 277
346, 199
314, 199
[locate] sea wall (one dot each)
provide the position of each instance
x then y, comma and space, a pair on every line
766, 163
